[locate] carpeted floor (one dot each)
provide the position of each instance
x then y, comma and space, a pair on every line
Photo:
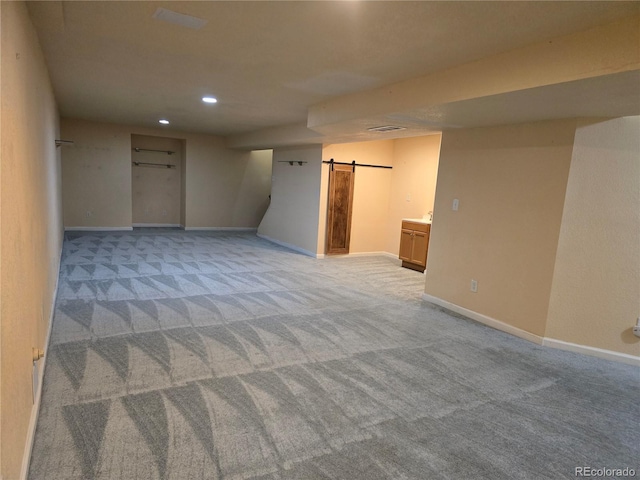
180, 355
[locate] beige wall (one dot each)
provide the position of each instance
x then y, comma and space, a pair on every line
292, 216
96, 175
510, 182
97, 178
415, 169
371, 193
183, 184
380, 195
31, 224
595, 299
252, 197
216, 184
156, 191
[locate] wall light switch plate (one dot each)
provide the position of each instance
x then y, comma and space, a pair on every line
455, 204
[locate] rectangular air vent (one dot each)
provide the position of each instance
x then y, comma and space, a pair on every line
386, 128
179, 19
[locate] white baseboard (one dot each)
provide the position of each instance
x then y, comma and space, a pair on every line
363, 254
544, 341
323, 255
96, 229
223, 229
592, 351
371, 254
154, 225
35, 410
290, 246
377, 254
484, 319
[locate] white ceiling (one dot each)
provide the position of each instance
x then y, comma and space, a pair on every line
267, 62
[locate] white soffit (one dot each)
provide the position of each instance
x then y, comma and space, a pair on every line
179, 19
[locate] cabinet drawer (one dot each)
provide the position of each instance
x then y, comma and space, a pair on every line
416, 226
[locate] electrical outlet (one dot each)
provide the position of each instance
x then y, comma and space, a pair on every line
456, 202
408, 197
474, 286
636, 328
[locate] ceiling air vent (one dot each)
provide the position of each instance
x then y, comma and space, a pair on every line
386, 128
179, 19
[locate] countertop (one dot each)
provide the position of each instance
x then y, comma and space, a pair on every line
417, 220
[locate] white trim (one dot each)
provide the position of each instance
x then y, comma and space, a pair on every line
35, 410
165, 225
290, 246
363, 254
96, 229
544, 341
592, 351
478, 317
372, 254
224, 229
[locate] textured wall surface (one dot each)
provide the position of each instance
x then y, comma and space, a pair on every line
371, 192
382, 198
293, 213
595, 299
96, 175
220, 187
415, 170
510, 182
156, 191
31, 224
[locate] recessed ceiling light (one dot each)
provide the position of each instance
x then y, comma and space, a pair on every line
209, 100
164, 122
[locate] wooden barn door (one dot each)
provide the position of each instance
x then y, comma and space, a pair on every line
340, 205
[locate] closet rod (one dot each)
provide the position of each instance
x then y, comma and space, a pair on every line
168, 152
146, 164
354, 164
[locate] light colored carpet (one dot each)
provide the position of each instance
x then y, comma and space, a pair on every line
180, 355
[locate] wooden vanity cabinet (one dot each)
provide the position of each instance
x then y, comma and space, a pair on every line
414, 243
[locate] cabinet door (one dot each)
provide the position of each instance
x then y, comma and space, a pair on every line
406, 244
420, 245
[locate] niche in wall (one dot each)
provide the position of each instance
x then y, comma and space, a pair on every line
157, 172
